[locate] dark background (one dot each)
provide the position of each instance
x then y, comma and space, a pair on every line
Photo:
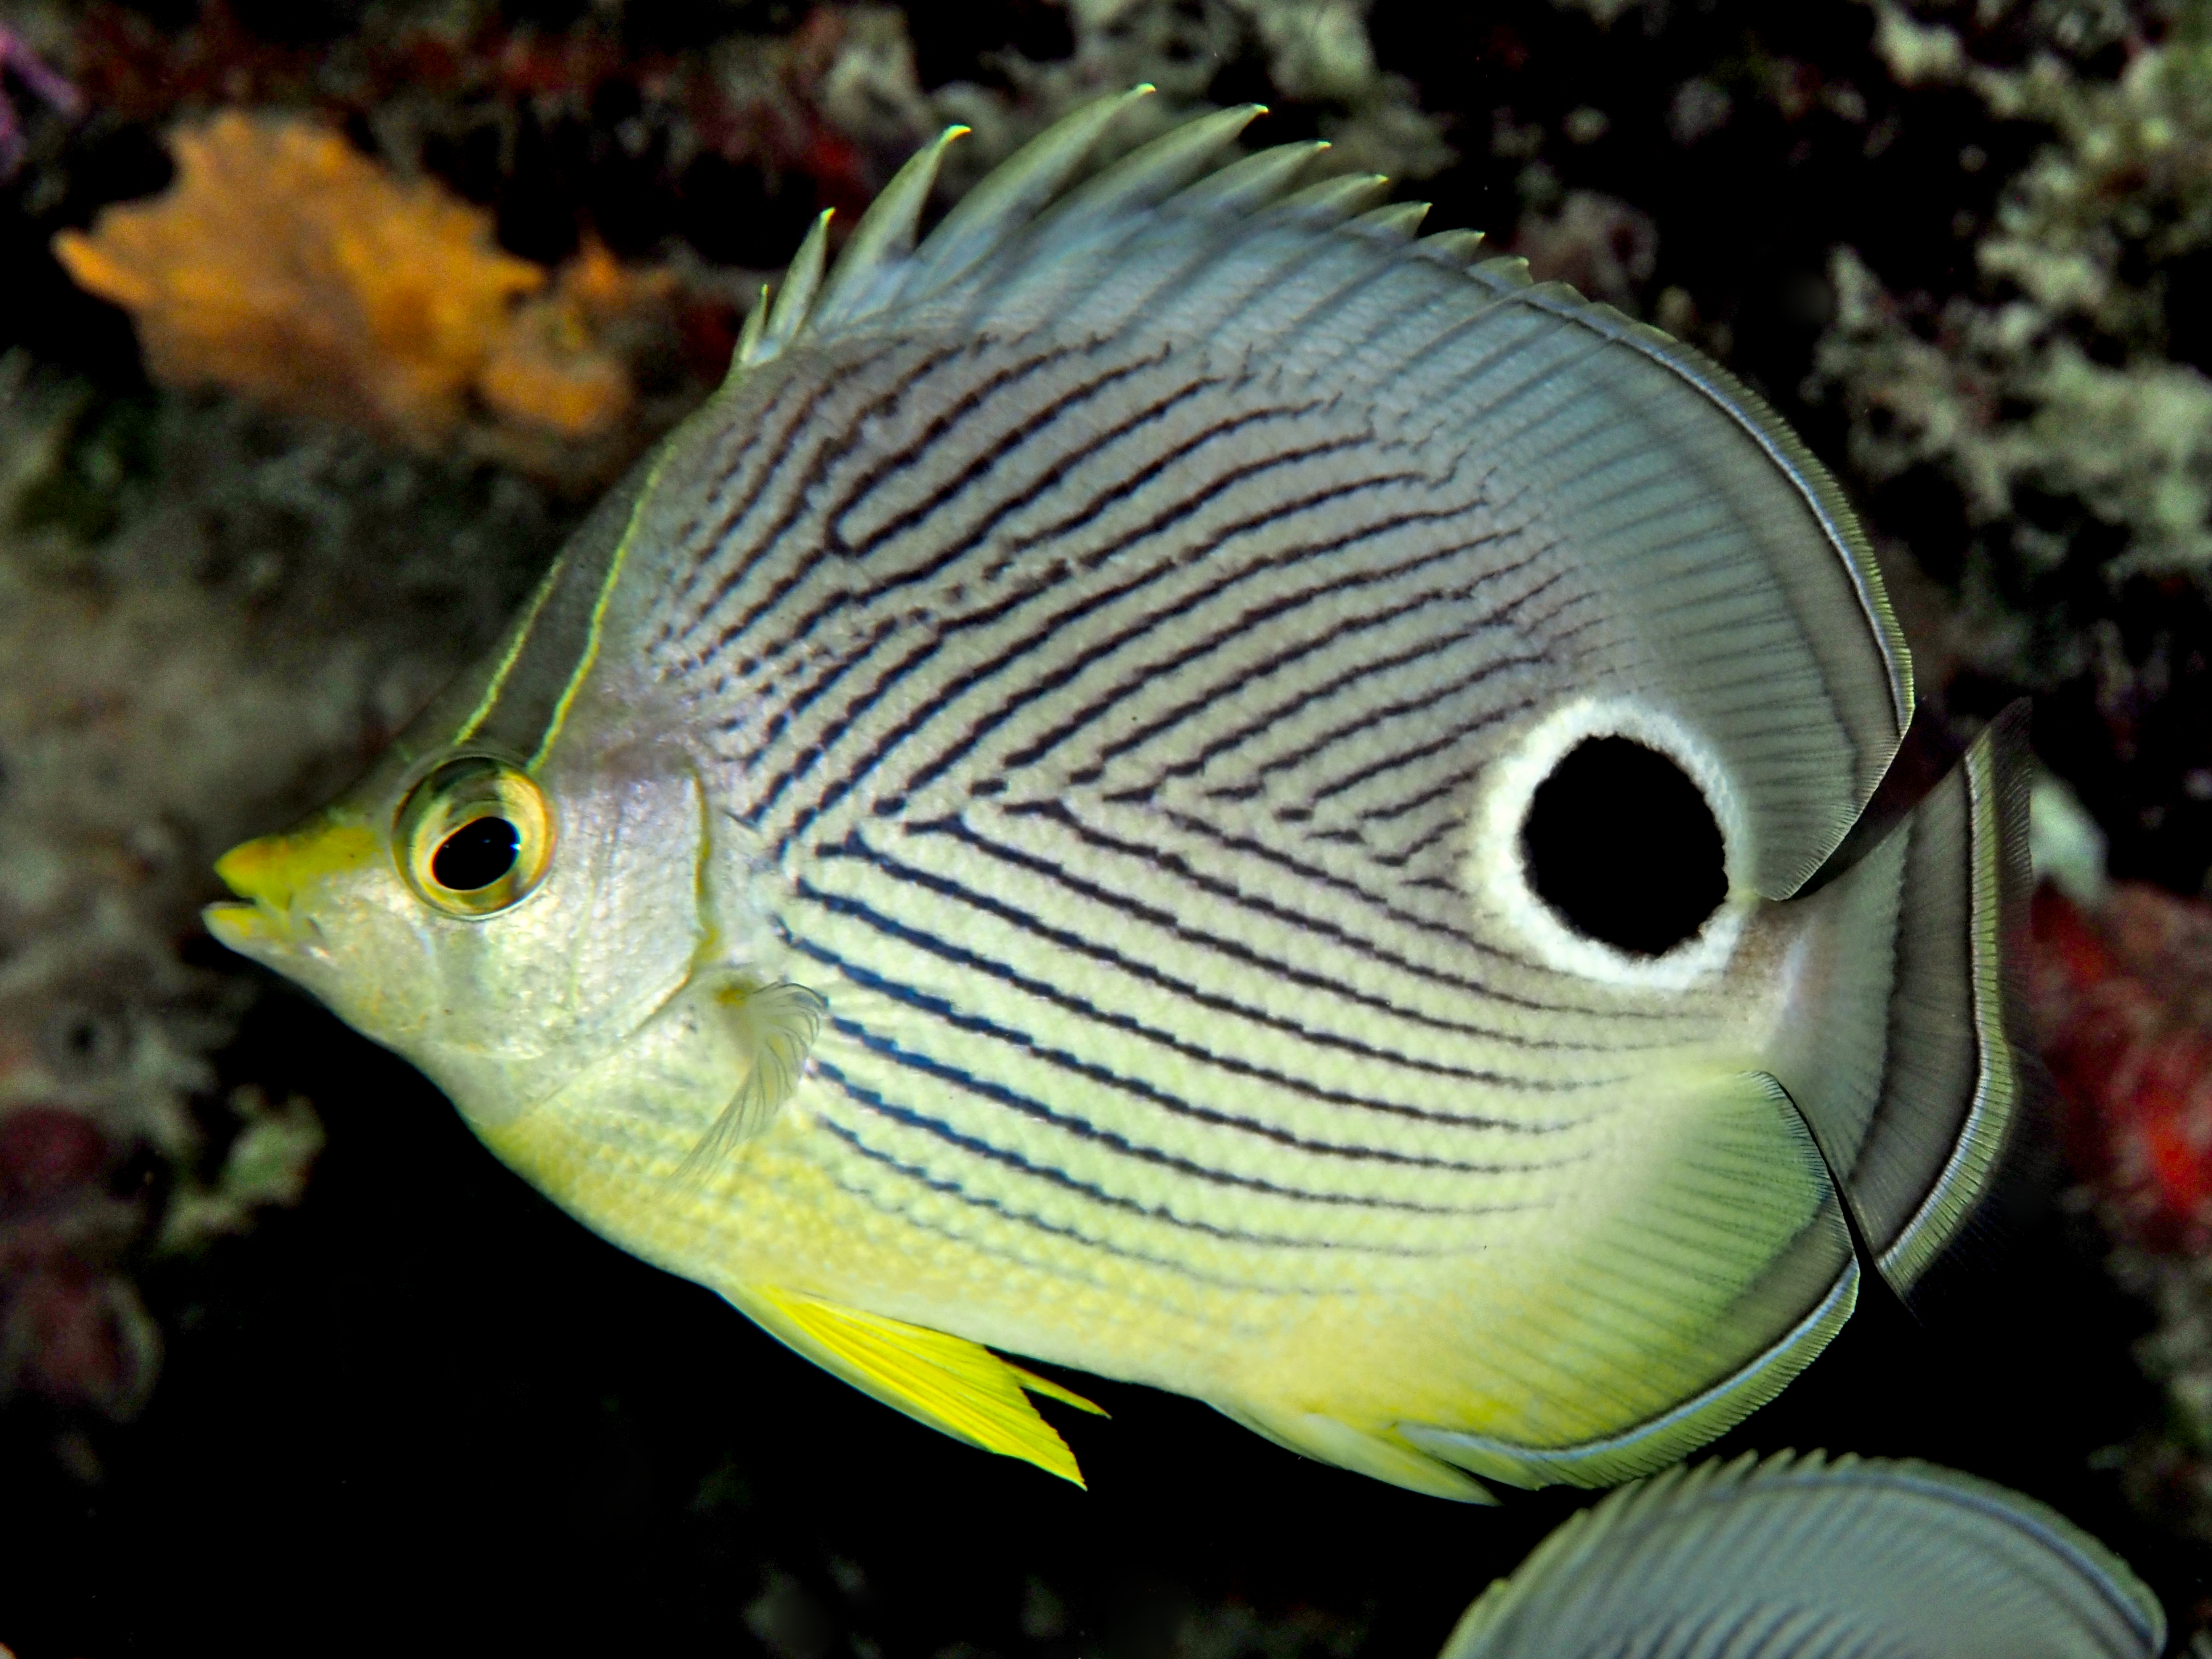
424, 1411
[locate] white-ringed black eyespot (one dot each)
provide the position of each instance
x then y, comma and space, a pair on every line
1622, 845
475, 836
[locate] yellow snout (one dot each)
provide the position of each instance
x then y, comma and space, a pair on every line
272, 872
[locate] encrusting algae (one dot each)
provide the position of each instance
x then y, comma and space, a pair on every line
285, 265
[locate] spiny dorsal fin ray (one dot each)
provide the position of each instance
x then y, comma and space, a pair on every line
1456, 248
1146, 176
951, 1383
1014, 193
749, 337
1250, 183
1852, 1556
867, 272
1331, 201
788, 311
1399, 222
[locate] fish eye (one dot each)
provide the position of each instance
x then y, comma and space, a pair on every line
475, 855
1622, 845
475, 836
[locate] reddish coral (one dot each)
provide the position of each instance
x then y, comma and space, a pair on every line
2125, 1001
72, 1329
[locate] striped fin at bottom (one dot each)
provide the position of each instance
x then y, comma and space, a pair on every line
1806, 1557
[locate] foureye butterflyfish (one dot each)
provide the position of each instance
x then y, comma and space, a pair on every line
1809, 1558
1180, 779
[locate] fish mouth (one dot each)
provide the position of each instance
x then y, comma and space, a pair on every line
270, 873
247, 927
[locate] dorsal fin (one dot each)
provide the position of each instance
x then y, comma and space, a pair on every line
786, 313
1760, 620
947, 1381
1014, 193
1147, 176
867, 276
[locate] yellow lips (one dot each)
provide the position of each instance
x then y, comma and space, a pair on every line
270, 872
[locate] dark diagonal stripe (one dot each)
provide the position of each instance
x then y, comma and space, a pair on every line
932, 1181
1236, 950
1174, 865
961, 958
1083, 1129
855, 847
890, 1110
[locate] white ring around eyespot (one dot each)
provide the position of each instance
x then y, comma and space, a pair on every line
1497, 874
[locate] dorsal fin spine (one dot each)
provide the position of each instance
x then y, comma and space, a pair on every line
1014, 192
1150, 174
883, 239
1456, 248
1332, 201
1251, 183
1398, 223
788, 314
749, 337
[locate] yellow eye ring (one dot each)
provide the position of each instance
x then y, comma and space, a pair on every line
475, 836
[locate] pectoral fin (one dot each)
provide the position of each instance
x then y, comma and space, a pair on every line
775, 1027
947, 1381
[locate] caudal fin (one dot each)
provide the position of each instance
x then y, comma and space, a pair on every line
1916, 1094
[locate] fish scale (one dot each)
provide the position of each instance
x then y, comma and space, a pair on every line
1038, 773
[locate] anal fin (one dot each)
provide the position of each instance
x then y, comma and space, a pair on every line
1386, 1457
955, 1386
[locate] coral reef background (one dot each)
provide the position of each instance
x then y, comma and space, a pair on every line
329, 319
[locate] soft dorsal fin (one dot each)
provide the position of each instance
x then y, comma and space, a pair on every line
947, 1381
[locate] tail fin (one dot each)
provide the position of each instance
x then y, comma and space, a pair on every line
1916, 1098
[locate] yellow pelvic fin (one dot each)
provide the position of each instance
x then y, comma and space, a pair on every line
947, 1381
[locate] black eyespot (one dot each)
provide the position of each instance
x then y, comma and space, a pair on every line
1621, 844
475, 855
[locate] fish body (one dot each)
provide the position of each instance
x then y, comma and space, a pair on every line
1815, 1559
1017, 828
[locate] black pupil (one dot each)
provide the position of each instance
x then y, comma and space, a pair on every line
475, 855
1621, 842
